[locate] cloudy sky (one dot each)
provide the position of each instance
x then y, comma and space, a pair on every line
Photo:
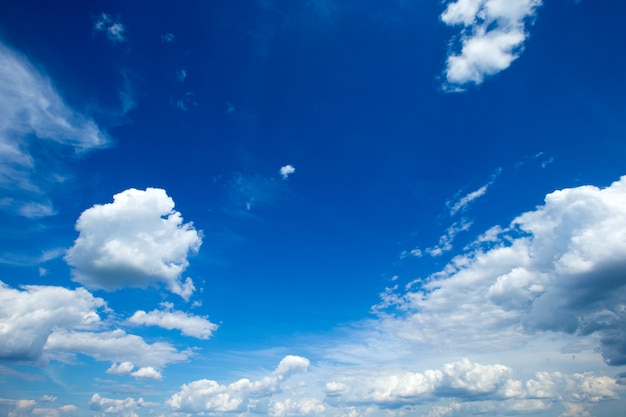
330, 208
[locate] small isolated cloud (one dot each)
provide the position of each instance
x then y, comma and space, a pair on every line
188, 324
168, 38
211, 397
492, 37
136, 241
181, 75
286, 171
148, 372
111, 26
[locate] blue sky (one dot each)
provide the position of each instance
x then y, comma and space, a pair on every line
312, 208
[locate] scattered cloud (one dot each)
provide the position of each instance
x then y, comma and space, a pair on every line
211, 397
35, 408
492, 37
34, 117
188, 324
112, 27
121, 407
287, 170
181, 75
445, 241
136, 241
148, 372
123, 368
462, 203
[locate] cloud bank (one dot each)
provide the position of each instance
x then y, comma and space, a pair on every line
136, 241
492, 37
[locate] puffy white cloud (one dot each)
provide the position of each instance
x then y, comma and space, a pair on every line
492, 37
558, 268
122, 368
29, 315
35, 408
148, 372
112, 27
136, 241
34, 115
287, 170
188, 324
114, 346
211, 397
297, 407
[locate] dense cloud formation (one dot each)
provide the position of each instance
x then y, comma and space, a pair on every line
29, 315
211, 397
136, 241
492, 37
559, 268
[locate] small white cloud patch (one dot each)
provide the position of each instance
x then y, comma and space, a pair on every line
492, 37
286, 171
136, 241
112, 27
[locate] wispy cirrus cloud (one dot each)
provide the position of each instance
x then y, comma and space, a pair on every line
35, 116
492, 36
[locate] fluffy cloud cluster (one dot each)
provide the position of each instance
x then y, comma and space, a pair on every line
559, 268
35, 115
29, 315
468, 382
125, 407
188, 324
208, 396
136, 241
492, 37
42, 407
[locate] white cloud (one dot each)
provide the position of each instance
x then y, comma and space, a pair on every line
136, 241
211, 397
112, 27
34, 116
467, 199
287, 170
30, 314
123, 368
297, 407
558, 268
35, 408
485, 387
148, 372
445, 241
188, 324
492, 37
113, 346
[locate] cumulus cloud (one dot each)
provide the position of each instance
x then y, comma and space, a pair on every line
32, 408
485, 386
28, 316
34, 115
148, 372
114, 30
492, 37
188, 324
123, 368
211, 397
558, 268
136, 241
286, 171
